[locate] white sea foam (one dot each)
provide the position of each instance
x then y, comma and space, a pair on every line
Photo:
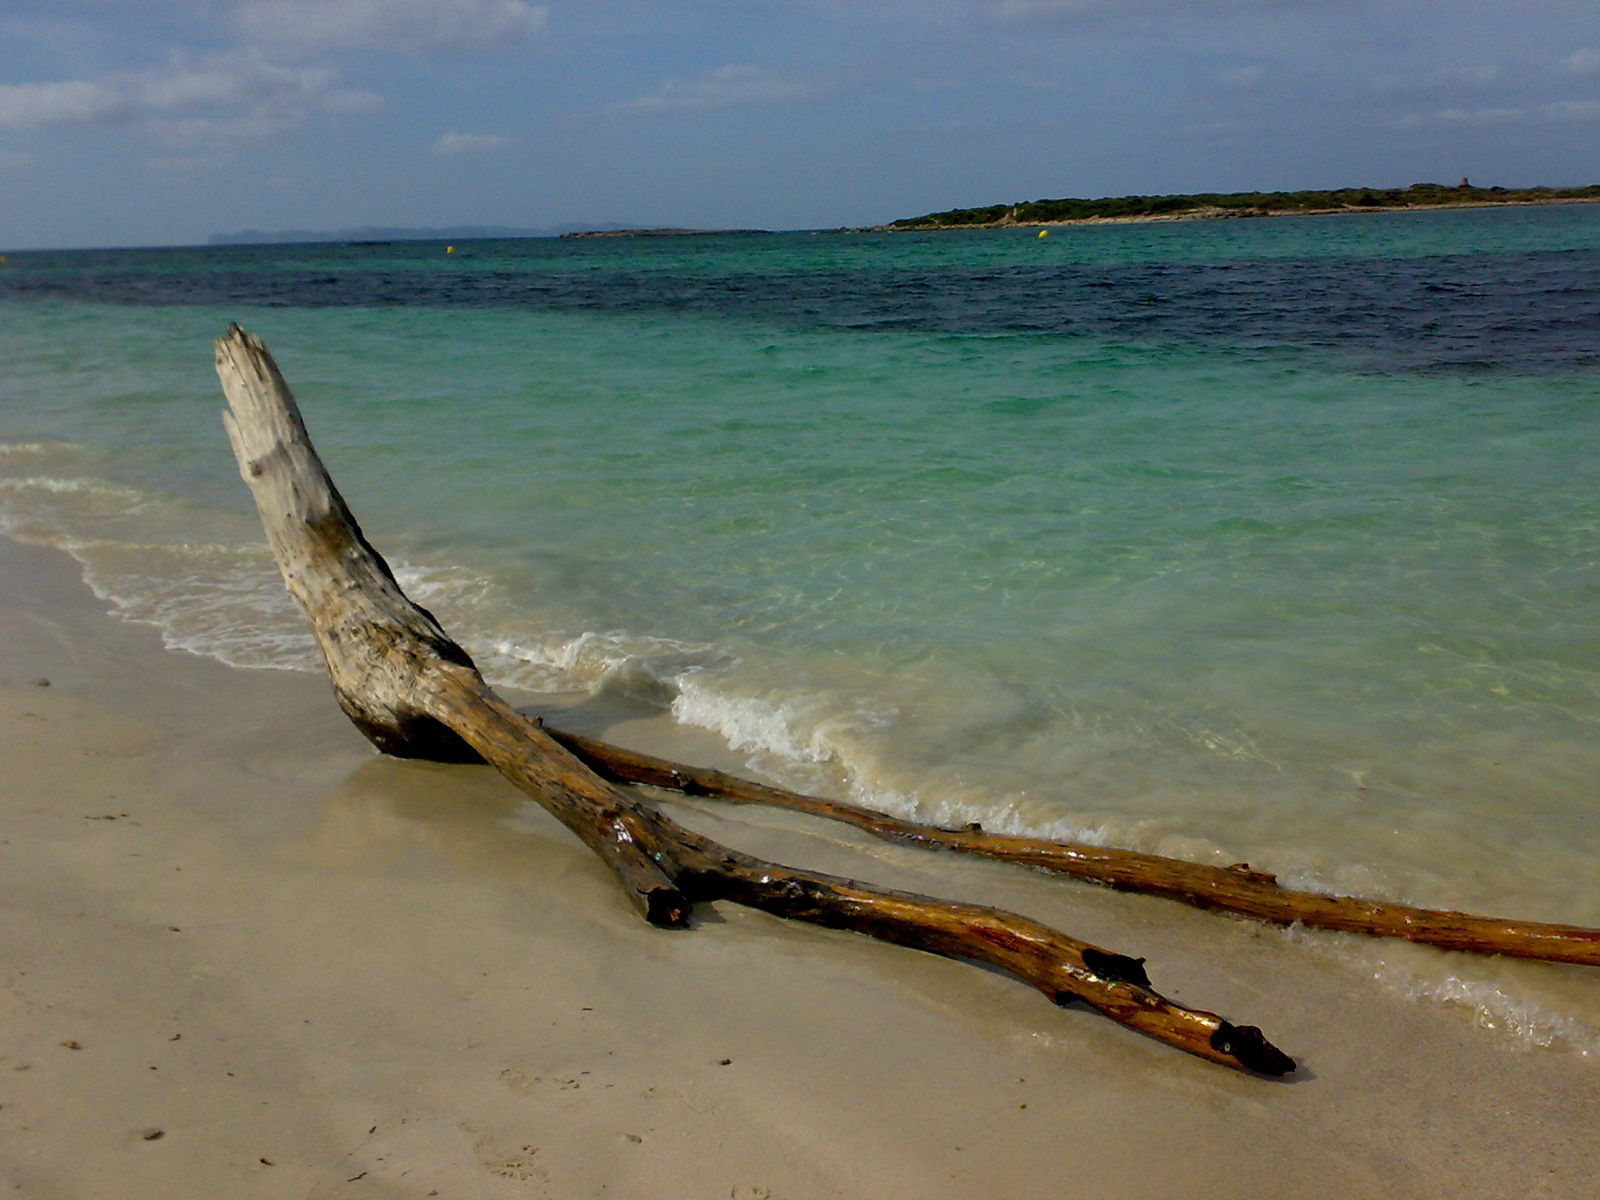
1494, 1008
641, 667
814, 738
802, 727
219, 601
1523, 1001
97, 489
433, 585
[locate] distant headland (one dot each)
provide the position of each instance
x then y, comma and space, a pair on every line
380, 234
1107, 210
665, 231
397, 233
1215, 205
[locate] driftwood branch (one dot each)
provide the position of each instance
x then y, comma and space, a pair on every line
414, 692
1236, 889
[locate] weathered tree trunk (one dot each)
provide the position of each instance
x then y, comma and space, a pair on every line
393, 668
412, 691
1236, 889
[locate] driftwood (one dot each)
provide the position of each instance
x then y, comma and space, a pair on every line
1236, 889
414, 692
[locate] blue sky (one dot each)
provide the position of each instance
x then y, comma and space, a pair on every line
146, 122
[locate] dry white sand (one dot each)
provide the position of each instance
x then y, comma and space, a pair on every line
242, 956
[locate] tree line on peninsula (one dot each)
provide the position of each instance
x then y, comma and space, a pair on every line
1242, 204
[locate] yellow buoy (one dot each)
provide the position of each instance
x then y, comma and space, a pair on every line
449, 249
1044, 233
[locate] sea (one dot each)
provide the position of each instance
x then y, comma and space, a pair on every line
1268, 540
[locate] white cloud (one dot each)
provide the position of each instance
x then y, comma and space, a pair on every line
469, 143
1478, 75
184, 162
1024, 10
1046, 10
1572, 110
74, 102
416, 25
1557, 110
1447, 82
732, 86
1228, 127
1242, 78
1479, 116
952, 131
1463, 116
225, 97
1582, 62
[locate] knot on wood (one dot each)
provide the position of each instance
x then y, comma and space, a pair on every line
1250, 1047
1245, 871
969, 827
682, 781
1119, 967
668, 908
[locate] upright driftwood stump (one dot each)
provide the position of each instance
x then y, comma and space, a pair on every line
414, 692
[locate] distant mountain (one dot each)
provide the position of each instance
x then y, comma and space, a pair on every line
398, 233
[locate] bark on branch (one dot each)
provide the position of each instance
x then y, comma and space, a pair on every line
414, 692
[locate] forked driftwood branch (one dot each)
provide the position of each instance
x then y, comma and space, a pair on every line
1236, 889
413, 692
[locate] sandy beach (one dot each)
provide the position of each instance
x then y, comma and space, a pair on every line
243, 956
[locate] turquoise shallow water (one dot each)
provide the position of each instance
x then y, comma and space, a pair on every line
1270, 540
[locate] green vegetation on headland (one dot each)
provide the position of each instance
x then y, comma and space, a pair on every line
1240, 204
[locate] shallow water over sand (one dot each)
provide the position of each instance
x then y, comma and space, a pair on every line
1262, 540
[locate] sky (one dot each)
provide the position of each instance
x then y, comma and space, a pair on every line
163, 122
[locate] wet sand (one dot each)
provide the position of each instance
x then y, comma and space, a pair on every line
241, 955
